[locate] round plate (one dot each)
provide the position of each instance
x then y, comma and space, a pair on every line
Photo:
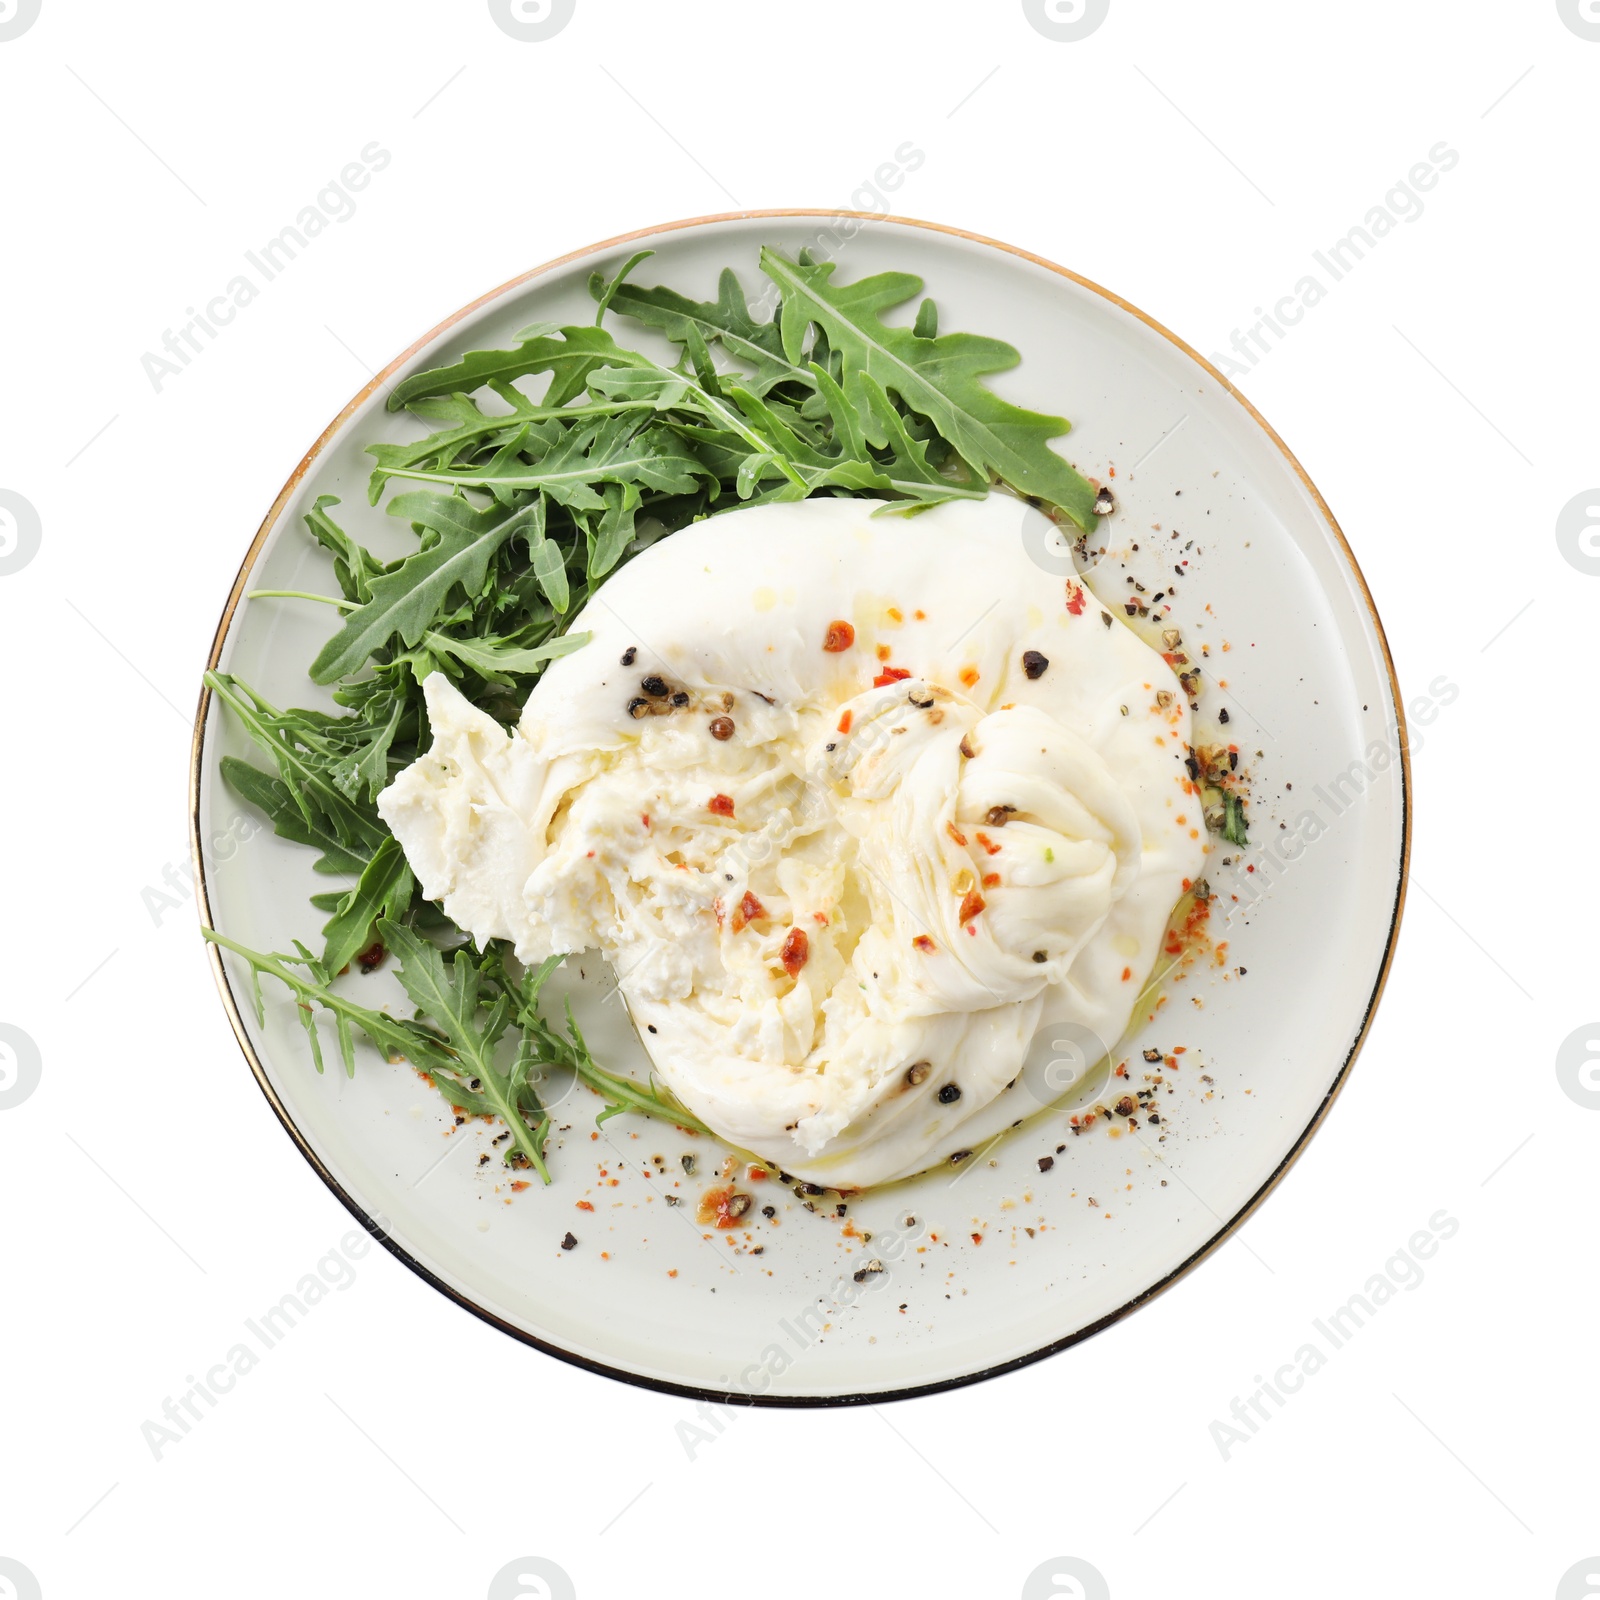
1004, 1262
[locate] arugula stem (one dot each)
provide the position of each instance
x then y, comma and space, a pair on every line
640, 1099
301, 594
377, 1025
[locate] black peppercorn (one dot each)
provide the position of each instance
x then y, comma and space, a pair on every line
949, 1094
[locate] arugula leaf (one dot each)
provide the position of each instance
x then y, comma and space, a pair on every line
497, 659
569, 359
404, 599
725, 321
548, 1047
634, 377
614, 450
477, 429
354, 566
367, 767
550, 568
383, 890
613, 532
452, 995
303, 759
937, 378
396, 1039
271, 797
604, 288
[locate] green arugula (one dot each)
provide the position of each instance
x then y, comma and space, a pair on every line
452, 994
383, 890
406, 597
1234, 827
545, 466
548, 1047
935, 377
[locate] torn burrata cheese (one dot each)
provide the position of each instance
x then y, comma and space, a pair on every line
852, 802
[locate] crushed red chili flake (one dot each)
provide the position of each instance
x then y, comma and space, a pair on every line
971, 904
988, 844
890, 675
840, 636
722, 1207
991, 880
923, 943
519, 1185
845, 721
795, 952
1074, 598
750, 910
584, 1205
956, 834
720, 805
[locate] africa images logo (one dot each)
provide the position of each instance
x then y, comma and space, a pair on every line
1066, 21
16, 17
532, 21
20, 532
531, 1578
1582, 16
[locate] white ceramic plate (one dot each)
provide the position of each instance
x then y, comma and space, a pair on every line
1004, 1263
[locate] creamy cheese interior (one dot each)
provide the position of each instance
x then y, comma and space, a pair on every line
853, 804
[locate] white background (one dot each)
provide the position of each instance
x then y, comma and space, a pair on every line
1190, 157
